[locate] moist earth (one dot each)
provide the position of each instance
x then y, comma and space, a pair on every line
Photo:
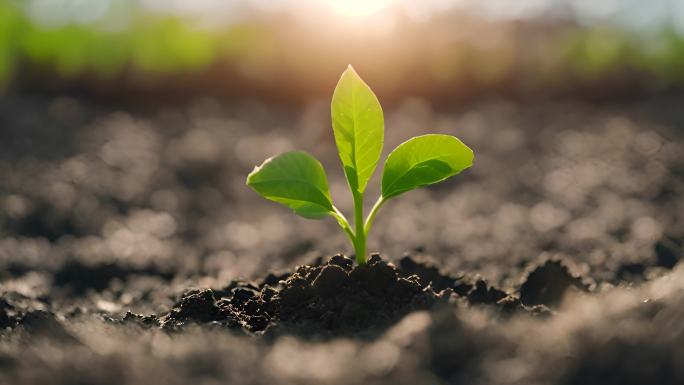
132, 253
336, 298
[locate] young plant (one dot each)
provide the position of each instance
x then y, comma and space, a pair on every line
298, 180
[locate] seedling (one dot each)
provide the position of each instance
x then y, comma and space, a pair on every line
297, 179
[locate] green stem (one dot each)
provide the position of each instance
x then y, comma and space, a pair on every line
360, 244
371, 215
342, 221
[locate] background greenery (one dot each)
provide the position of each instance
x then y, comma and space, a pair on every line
293, 50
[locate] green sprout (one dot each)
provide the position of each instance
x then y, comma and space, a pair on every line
298, 181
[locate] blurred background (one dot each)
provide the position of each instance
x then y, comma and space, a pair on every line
127, 128
293, 50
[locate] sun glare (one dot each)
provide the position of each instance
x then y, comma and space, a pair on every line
358, 8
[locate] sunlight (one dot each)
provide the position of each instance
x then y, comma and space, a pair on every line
358, 8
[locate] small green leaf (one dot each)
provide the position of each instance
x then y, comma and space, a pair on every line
295, 179
358, 124
422, 161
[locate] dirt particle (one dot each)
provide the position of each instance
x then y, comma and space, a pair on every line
547, 284
342, 261
376, 276
44, 323
145, 321
198, 306
428, 274
6, 320
668, 253
630, 271
273, 279
331, 278
482, 293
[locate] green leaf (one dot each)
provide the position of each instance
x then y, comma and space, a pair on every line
295, 179
422, 161
358, 124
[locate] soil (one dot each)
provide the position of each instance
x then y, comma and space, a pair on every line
132, 253
336, 298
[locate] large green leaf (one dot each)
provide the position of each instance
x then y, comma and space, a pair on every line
358, 125
295, 179
422, 161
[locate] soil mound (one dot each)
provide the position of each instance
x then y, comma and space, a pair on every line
329, 299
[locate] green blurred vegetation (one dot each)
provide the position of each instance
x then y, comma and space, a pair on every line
151, 43
426, 57
599, 52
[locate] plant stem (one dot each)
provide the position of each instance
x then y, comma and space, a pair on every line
342, 221
371, 215
360, 242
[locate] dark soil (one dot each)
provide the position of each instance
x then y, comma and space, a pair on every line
132, 253
79, 277
336, 299
548, 284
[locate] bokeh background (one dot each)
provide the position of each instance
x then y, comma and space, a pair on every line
292, 50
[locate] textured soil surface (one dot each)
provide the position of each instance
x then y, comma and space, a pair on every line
131, 252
